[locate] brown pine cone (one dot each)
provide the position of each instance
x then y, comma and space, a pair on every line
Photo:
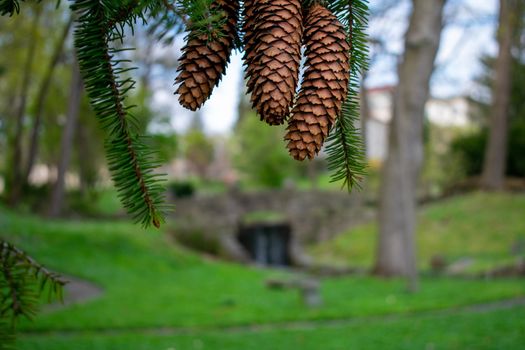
325, 83
204, 60
272, 40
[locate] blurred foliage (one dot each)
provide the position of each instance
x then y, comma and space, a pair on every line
181, 189
198, 151
195, 239
260, 154
470, 149
440, 170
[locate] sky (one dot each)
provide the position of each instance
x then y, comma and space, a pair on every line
468, 35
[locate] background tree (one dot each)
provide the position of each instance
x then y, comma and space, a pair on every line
510, 20
42, 94
397, 208
469, 148
260, 154
74, 101
198, 148
15, 160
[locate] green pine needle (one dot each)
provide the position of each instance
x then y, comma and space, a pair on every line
130, 161
22, 280
346, 158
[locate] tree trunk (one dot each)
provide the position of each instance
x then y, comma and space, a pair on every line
57, 196
397, 207
14, 164
494, 165
41, 98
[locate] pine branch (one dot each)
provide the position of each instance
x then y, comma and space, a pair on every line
9, 7
346, 157
130, 162
22, 279
167, 21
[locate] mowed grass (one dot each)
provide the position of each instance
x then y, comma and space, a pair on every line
488, 229
502, 329
150, 282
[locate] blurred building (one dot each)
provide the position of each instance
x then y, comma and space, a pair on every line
445, 112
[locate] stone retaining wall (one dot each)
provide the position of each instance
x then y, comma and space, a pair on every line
314, 216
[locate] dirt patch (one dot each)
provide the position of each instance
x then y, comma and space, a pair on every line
77, 291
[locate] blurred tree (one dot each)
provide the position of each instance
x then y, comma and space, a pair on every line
198, 148
510, 21
470, 147
15, 172
397, 207
42, 94
260, 154
57, 196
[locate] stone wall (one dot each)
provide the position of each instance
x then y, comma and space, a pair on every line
313, 216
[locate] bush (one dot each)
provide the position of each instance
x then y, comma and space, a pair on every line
261, 154
182, 189
470, 148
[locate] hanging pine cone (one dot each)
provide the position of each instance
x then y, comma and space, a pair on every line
325, 83
204, 60
272, 40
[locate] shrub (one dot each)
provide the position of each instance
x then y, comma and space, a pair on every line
182, 189
470, 148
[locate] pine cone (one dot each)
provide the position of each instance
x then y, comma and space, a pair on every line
324, 86
272, 40
204, 60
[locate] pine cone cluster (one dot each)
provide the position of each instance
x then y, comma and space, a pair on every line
325, 84
274, 34
204, 59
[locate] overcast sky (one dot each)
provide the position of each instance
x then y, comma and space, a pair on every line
468, 35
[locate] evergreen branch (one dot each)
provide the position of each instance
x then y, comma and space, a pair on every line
19, 274
130, 162
168, 20
10, 7
346, 157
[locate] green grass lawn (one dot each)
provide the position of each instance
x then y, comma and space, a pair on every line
503, 330
150, 282
479, 226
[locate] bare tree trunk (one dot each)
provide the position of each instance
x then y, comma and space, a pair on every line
57, 196
41, 98
493, 176
14, 166
397, 207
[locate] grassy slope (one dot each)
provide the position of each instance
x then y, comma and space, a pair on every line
479, 226
150, 283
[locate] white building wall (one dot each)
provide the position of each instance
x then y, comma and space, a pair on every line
453, 112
